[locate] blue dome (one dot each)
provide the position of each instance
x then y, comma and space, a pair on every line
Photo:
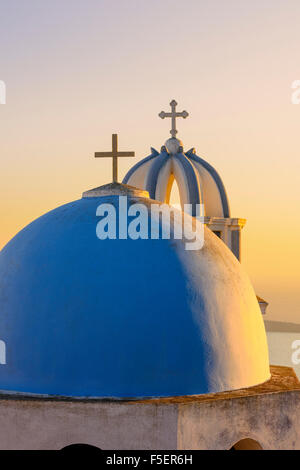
83, 317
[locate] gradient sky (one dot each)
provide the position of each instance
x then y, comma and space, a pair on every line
78, 70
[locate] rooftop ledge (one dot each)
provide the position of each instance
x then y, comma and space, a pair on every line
116, 189
283, 379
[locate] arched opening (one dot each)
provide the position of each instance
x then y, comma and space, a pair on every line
80, 448
246, 444
174, 194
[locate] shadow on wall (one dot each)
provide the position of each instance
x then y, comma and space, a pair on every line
247, 444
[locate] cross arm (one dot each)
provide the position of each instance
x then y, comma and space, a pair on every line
163, 115
111, 155
183, 114
126, 154
103, 154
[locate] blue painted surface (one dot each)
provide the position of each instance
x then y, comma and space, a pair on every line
191, 178
216, 177
81, 317
154, 170
154, 153
84, 317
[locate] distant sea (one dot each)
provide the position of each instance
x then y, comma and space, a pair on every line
280, 339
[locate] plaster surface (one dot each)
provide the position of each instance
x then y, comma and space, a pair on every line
268, 413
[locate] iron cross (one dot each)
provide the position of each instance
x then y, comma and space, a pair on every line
114, 155
173, 115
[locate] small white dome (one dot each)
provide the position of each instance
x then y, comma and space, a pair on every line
198, 181
173, 145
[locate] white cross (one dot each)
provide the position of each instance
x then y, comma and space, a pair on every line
173, 115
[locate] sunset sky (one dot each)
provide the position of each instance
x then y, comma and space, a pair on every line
78, 70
